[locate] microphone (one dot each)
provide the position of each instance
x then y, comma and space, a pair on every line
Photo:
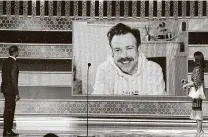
89, 64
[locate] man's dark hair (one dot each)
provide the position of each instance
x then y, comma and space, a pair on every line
121, 29
12, 50
50, 135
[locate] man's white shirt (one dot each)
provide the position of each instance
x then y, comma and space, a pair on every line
148, 80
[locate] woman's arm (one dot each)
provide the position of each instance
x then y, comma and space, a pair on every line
189, 84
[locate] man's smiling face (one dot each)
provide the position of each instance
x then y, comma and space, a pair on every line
125, 52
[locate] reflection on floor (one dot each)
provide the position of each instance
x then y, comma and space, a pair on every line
115, 133
67, 127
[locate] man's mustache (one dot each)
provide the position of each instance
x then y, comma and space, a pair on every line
125, 59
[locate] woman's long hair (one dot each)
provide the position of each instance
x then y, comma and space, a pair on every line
199, 59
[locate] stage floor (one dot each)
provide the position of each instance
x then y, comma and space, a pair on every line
122, 132
37, 126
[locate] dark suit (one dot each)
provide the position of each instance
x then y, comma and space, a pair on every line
9, 87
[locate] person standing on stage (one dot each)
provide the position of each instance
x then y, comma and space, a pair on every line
9, 87
197, 91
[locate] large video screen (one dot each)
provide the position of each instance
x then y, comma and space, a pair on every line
128, 58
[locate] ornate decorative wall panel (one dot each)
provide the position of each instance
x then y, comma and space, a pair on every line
35, 23
39, 51
119, 9
103, 108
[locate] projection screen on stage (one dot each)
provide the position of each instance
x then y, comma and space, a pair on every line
160, 59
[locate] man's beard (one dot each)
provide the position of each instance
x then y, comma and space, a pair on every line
125, 60
125, 64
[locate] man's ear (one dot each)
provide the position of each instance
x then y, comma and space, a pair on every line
139, 47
